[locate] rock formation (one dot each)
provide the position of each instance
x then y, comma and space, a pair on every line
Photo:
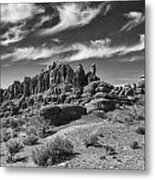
59, 83
26, 86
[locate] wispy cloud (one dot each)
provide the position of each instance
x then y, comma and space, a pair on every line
74, 15
102, 48
29, 53
42, 21
137, 47
13, 13
134, 19
93, 49
13, 35
108, 7
33, 54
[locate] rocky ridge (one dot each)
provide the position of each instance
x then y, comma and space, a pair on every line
60, 84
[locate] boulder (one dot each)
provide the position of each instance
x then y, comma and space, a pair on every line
48, 111
62, 114
67, 108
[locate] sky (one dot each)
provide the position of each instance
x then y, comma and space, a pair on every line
108, 33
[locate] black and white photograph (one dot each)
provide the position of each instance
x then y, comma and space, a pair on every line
72, 91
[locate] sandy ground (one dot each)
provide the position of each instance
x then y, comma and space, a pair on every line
118, 134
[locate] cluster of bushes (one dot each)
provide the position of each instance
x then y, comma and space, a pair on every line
53, 152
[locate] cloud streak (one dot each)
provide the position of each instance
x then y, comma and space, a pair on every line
93, 49
13, 13
102, 48
134, 19
74, 15
13, 35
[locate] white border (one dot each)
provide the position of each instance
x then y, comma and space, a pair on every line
40, 174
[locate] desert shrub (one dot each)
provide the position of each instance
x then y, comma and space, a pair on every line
140, 130
62, 145
135, 145
53, 152
31, 140
129, 120
31, 130
92, 140
109, 150
13, 146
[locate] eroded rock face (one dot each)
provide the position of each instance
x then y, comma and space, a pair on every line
141, 82
26, 87
1, 96
100, 104
141, 85
61, 73
33, 85
80, 78
16, 89
59, 83
98, 86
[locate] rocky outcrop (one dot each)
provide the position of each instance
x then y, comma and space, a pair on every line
61, 73
59, 83
100, 104
1, 96
61, 114
98, 86
141, 85
125, 90
49, 78
26, 86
